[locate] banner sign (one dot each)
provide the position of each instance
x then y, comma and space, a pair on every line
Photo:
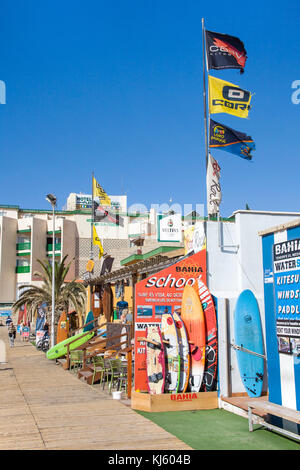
188, 240
194, 238
213, 187
224, 51
5, 313
169, 228
230, 140
159, 293
39, 334
40, 317
225, 97
286, 268
25, 331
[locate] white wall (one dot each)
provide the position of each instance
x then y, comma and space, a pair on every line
8, 240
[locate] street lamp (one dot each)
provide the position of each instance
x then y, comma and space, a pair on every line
52, 199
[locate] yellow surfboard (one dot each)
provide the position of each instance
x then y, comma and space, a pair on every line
62, 328
193, 318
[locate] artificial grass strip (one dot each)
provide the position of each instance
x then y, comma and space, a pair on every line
219, 430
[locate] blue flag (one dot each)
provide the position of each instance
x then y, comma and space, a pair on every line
232, 141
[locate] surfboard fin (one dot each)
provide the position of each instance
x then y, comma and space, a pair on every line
153, 345
155, 378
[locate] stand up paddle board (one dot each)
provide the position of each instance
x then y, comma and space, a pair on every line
172, 357
89, 318
184, 352
155, 360
211, 349
61, 349
62, 328
193, 319
248, 335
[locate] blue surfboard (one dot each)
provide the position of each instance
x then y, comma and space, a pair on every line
89, 318
248, 335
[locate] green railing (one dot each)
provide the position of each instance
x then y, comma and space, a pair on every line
57, 247
23, 269
23, 246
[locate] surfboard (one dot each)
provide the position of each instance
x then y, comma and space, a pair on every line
124, 337
155, 360
172, 357
248, 335
62, 328
61, 349
211, 328
193, 318
184, 352
88, 319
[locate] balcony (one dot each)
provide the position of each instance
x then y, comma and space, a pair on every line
50, 247
23, 246
22, 269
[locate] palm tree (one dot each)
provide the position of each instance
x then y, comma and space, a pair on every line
67, 294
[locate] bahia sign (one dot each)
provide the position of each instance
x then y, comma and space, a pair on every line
184, 397
162, 292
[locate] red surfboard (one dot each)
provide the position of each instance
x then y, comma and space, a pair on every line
211, 350
193, 318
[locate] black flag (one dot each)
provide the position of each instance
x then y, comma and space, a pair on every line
230, 140
224, 51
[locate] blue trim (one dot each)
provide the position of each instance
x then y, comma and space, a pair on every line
293, 233
274, 382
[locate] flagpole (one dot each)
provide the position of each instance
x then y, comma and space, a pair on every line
204, 92
205, 69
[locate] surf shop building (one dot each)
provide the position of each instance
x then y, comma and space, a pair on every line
233, 263
281, 277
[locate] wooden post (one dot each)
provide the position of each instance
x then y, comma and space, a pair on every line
84, 359
129, 373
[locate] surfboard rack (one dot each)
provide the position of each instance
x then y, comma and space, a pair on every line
240, 348
143, 338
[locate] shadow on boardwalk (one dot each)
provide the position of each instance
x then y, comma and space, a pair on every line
46, 407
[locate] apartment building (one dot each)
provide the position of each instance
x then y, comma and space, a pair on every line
26, 236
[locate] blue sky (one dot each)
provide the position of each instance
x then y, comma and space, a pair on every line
116, 88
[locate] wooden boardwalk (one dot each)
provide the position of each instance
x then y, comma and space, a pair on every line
43, 406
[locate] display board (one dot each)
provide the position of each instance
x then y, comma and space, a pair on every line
281, 264
286, 268
159, 293
169, 228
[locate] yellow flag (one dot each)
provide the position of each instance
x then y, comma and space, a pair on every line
100, 193
97, 241
224, 97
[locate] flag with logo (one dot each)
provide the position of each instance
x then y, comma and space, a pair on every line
100, 193
225, 138
224, 51
214, 195
225, 97
97, 241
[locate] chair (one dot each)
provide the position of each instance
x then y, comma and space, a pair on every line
113, 372
99, 366
122, 379
76, 360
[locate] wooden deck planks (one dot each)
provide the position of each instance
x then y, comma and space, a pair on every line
43, 406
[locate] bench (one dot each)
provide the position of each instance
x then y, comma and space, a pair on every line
276, 410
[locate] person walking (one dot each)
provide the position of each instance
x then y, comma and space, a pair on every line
11, 334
